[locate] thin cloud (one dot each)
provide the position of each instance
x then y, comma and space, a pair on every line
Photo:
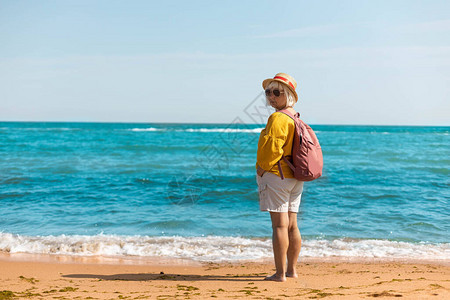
304, 31
432, 26
337, 54
437, 26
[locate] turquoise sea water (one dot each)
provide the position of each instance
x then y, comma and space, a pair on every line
189, 190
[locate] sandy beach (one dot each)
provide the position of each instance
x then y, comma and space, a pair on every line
63, 277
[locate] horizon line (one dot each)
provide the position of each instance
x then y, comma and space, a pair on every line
210, 123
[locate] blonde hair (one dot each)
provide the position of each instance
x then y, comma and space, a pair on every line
290, 98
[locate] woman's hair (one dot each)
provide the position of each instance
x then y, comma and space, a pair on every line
290, 98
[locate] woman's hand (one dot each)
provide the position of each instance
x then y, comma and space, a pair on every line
260, 171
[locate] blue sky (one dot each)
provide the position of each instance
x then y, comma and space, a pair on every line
356, 62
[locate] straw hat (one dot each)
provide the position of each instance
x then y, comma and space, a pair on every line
285, 79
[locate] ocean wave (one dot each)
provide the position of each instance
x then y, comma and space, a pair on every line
41, 128
146, 129
215, 248
205, 130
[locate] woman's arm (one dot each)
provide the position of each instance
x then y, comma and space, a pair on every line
272, 140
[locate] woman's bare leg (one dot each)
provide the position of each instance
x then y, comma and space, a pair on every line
295, 244
280, 243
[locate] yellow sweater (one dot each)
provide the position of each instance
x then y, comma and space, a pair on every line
274, 141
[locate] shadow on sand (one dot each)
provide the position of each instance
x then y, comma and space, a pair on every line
172, 277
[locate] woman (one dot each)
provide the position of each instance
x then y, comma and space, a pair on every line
280, 197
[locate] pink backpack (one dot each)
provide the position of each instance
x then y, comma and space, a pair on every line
307, 160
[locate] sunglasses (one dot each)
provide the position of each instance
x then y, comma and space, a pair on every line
275, 92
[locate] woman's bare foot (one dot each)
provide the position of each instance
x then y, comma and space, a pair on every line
275, 277
292, 274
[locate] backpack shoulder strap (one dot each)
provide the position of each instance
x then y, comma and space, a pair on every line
288, 113
296, 119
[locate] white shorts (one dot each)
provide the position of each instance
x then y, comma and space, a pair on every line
278, 195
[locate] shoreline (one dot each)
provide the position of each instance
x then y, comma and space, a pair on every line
67, 277
159, 260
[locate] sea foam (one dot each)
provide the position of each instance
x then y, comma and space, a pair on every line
216, 248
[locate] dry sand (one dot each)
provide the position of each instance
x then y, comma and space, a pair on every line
59, 277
